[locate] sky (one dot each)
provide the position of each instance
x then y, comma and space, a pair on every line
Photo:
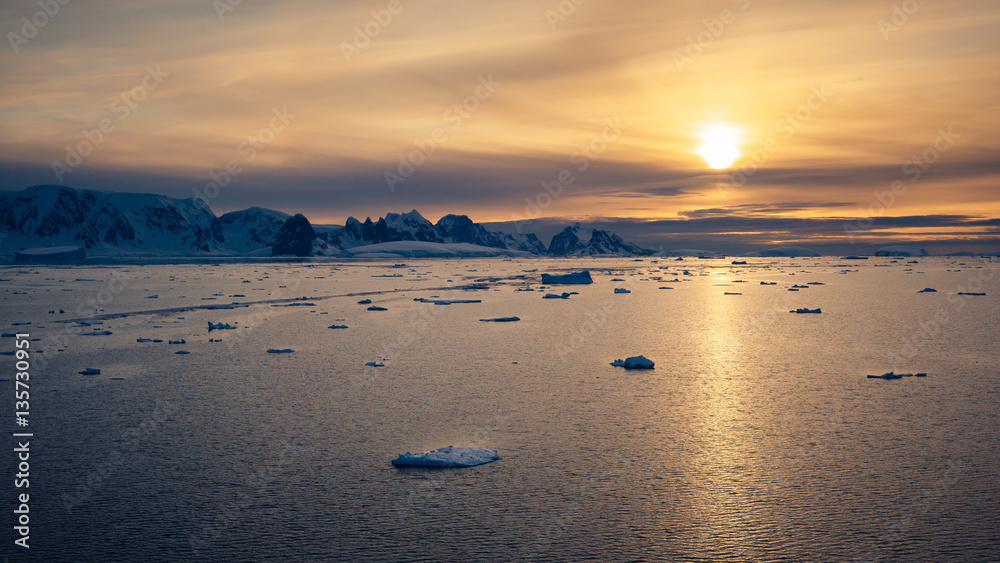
830, 124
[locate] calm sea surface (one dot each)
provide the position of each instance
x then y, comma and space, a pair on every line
757, 437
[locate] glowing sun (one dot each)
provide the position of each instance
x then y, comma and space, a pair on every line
720, 146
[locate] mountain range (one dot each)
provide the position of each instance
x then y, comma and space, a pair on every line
140, 224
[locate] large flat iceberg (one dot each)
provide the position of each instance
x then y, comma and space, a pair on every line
581, 277
448, 457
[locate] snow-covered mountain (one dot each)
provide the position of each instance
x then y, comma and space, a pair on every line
136, 224
251, 229
108, 223
413, 226
601, 243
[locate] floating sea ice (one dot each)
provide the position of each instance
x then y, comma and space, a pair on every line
220, 326
337, 326
152, 297
581, 277
448, 457
804, 310
969, 293
927, 290
96, 333
364, 301
90, 371
621, 290
143, 339
181, 341
634, 362
279, 351
554, 296
501, 320
375, 364
377, 308
182, 352
732, 293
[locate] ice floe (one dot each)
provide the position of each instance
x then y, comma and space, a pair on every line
90, 371
804, 310
220, 326
501, 320
554, 296
581, 277
337, 326
377, 308
448, 457
621, 290
279, 350
927, 290
634, 362
892, 375
375, 364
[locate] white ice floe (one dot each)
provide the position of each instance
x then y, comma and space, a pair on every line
634, 362
448, 457
581, 277
501, 320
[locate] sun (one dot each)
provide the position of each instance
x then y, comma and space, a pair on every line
720, 145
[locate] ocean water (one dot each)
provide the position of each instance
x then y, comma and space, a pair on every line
757, 437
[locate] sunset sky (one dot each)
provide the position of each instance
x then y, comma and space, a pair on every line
824, 105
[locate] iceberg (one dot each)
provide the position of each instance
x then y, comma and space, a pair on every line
634, 362
448, 457
578, 278
220, 326
501, 320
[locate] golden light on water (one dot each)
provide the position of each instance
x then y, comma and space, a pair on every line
720, 145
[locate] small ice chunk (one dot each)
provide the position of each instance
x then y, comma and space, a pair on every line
337, 326
220, 326
927, 290
181, 341
364, 302
501, 320
621, 290
554, 296
279, 350
182, 352
804, 310
90, 371
634, 362
377, 308
448, 457
375, 364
